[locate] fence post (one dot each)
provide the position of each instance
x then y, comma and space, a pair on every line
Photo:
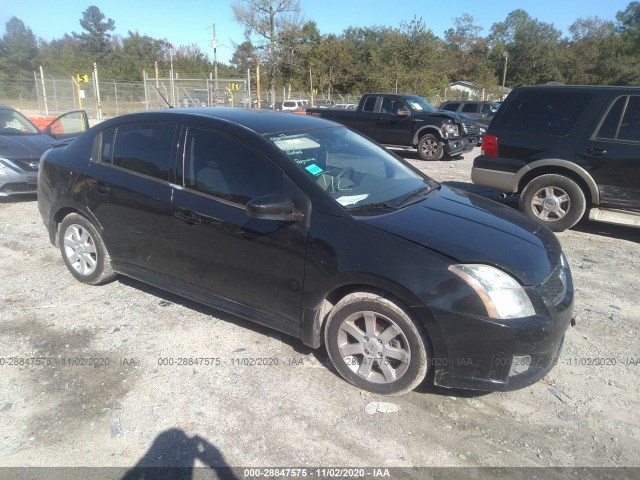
35, 80
146, 93
44, 92
95, 77
115, 89
55, 93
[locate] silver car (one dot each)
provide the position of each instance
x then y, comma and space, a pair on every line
22, 144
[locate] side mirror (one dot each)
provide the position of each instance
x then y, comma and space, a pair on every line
403, 112
274, 207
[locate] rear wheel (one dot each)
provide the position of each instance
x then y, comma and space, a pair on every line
429, 148
553, 200
83, 251
375, 345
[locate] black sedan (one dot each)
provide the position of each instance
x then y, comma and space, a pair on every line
308, 227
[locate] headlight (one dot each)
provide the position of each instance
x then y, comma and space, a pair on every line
500, 293
450, 130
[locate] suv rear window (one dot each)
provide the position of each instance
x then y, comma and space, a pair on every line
546, 113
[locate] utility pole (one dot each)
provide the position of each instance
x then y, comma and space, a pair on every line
258, 80
505, 55
214, 44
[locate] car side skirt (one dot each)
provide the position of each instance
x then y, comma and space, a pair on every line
196, 294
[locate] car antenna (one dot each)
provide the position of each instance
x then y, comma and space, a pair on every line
163, 98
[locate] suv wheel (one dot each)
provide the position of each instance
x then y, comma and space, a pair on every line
375, 345
555, 201
83, 251
429, 148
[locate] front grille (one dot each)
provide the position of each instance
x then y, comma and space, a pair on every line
555, 287
25, 164
470, 128
17, 188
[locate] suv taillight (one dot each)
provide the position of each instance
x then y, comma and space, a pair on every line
490, 146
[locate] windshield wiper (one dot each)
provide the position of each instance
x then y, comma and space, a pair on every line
374, 206
422, 191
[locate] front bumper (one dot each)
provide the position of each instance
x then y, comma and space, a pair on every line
460, 145
17, 183
480, 353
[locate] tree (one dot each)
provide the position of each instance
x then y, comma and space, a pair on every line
243, 55
467, 50
589, 51
533, 49
96, 40
264, 22
18, 48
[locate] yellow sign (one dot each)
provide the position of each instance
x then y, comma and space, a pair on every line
235, 86
82, 78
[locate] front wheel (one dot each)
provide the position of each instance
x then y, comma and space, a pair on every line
553, 200
83, 251
429, 148
375, 345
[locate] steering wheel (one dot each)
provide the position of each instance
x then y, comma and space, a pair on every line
347, 172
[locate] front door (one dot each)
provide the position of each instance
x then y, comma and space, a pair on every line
613, 153
218, 247
394, 125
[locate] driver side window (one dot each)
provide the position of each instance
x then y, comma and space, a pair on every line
226, 167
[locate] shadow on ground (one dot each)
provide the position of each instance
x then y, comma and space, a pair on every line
173, 456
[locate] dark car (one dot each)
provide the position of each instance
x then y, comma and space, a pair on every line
566, 150
481, 111
308, 227
22, 144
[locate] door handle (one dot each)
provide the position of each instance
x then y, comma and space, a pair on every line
597, 152
189, 218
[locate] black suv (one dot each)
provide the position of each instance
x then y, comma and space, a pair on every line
566, 149
480, 111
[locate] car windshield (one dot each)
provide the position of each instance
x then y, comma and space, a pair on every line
419, 104
14, 123
355, 172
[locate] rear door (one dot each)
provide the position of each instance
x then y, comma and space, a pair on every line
218, 247
368, 117
128, 191
613, 152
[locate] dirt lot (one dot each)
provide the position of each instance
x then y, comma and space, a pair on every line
133, 408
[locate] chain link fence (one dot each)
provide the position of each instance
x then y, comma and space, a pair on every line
109, 98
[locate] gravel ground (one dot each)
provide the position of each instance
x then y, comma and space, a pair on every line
131, 409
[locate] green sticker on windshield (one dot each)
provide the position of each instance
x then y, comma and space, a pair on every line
313, 169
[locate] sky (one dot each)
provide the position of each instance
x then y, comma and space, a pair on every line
190, 21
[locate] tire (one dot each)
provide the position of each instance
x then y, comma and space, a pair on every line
83, 251
553, 200
360, 340
429, 148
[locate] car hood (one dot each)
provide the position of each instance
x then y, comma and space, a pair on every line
456, 117
24, 146
472, 229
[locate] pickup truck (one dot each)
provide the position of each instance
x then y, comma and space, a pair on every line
407, 121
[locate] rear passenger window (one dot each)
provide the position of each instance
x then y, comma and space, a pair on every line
609, 128
630, 126
622, 121
470, 108
545, 113
144, 149
451, 107
226, 167
369, 104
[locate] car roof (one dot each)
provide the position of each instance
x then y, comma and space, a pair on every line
580, 88
260, 121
